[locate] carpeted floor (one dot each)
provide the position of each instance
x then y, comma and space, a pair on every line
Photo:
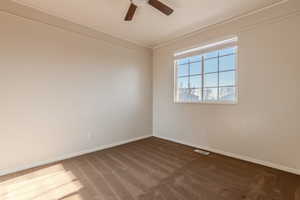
150, 169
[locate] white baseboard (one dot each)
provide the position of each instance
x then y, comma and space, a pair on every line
233, 155
71, 155
241, 157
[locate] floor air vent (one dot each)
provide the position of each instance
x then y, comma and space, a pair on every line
206, 153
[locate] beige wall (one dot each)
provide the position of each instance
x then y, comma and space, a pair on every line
264, 126
63, 93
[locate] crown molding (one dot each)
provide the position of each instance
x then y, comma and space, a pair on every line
254, 17
33, 14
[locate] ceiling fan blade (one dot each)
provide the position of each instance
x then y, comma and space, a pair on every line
161, 7
130, 12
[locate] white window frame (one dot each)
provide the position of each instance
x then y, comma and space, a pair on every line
228, 43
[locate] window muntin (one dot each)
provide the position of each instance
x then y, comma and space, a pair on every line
209, 77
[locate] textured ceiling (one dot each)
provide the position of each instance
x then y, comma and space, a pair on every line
149, 27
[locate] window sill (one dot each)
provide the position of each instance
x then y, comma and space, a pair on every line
208, 102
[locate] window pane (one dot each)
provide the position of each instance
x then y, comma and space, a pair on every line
227, 62
211, 80
227, 94
210, 94
195, 82
183, 82
211, 65
184, 94
211, 54
195, 95
227, 78
195, 59
195, 68
183, 61
182, 70
227, 51
189, 95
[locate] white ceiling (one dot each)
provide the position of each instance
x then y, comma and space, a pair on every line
149, 27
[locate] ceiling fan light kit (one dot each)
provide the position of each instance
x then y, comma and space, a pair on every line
154, 3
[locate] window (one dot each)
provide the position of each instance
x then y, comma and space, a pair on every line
209, 77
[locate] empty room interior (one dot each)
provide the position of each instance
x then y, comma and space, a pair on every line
149, 100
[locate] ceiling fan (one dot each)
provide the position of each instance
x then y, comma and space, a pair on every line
155, 3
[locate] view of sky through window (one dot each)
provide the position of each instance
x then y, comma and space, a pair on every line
210, 77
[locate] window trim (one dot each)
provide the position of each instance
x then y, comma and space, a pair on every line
207, 47
220, 102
